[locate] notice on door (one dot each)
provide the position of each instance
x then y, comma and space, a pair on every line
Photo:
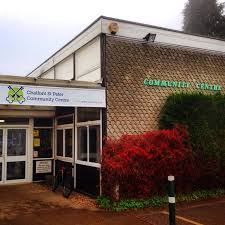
44, 166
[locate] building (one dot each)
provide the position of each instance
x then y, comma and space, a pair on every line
111, 79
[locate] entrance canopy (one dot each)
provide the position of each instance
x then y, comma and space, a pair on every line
43, 92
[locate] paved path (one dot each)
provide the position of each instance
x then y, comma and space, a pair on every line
32, 205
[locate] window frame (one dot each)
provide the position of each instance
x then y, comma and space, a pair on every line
64, 127
88, 124
63, 157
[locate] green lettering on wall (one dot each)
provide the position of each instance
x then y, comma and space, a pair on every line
150, 82
178, 84
174, 83
188, 84
182, 84
211, 87
163, 83
146, 82
157, 82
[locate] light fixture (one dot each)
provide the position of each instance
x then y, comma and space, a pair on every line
150, 37
2, 121
113, 27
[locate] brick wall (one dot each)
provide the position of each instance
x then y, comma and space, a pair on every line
133, 107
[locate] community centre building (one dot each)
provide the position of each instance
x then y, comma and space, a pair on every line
111, 79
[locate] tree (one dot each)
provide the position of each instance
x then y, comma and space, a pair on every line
204, 17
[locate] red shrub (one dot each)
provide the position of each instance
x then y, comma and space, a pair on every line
140, 164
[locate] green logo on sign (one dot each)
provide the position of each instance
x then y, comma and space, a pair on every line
15, 94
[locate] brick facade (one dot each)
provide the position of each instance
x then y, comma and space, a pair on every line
133, 107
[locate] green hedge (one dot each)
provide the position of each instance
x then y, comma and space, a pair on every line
157, 201
204, 116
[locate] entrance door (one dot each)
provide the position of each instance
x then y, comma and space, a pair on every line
13, 142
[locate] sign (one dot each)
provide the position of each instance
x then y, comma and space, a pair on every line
36, 133
35, 155
37, 142
51, 96
44, 166
182, 84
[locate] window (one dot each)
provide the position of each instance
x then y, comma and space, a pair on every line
94, 144
42, 142
65, 137
89, 144
65, 120
88, 114
88, 136
68, 142
82, 143
64, 142
43, 122
59, 142
14, 121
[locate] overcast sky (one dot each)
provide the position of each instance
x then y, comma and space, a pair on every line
32, 30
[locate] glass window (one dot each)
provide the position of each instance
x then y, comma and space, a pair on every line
15, 121
59, 142
61, 111
82, 143
1, 142
88, 114
68, 142
16, 142
42, 142
94, 144
15, 170
91, 149
43, 122
65, 120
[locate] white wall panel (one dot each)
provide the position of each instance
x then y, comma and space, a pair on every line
88, 61
49, 74
64, 70
91, 76
83, 38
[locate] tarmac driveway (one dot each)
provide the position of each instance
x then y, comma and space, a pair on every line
34, 204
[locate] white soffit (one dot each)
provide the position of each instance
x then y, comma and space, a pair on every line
138, 31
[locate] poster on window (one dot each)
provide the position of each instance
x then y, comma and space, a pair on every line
44, 166
37, 142
36, 133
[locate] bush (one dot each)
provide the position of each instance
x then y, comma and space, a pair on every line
204, 117
157, 201
140, 164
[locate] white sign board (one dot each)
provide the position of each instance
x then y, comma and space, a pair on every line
51, 96
44, 166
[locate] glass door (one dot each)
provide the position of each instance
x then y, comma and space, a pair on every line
16, 155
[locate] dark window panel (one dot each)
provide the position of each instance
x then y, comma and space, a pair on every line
88, 114
59, 142
82, 143
68, 142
